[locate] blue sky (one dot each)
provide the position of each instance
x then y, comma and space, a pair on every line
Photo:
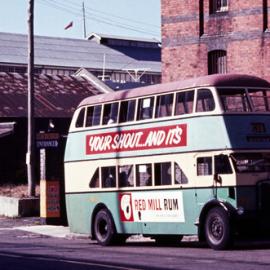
140, 18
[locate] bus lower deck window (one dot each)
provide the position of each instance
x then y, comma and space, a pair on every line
180, 177
144, 175
94, 182
204, 166
163, 174
108, 177
126, 176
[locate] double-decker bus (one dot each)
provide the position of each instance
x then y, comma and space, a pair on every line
182, 158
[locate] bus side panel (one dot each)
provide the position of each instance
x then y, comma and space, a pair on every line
80, 207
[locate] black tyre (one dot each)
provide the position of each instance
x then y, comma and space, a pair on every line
218, 230
104, 228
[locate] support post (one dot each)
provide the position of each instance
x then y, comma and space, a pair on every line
30, 103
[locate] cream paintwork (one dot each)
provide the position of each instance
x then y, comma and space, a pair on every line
79, 174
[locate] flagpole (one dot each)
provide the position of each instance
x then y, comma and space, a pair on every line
84, 22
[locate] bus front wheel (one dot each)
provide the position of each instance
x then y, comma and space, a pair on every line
104, 228
218, 232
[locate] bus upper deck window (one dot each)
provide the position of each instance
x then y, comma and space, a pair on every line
205, 101
164, 106
127, 111
145, 108
80, 119
110, 113
184, 102
93, 116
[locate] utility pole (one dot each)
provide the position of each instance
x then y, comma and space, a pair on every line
84, 22
30, 103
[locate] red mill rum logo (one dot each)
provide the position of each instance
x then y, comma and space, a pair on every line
140, 139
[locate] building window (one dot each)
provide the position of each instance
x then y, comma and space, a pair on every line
217, 62
218, 6
201, 17
265, 15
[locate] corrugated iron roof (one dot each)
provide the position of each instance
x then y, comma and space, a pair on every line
76, 53
55, 96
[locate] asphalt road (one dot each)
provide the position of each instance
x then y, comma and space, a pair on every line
26, 250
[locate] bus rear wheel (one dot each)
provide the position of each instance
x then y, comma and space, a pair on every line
104, 229
218, 232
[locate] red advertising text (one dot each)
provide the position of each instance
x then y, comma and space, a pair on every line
139, 139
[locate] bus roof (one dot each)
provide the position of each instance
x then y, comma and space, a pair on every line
217, 80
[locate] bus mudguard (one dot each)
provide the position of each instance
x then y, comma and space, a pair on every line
230, 210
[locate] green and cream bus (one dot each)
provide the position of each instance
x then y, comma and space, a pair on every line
182, 158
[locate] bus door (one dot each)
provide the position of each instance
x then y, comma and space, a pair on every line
213, 172
204, 190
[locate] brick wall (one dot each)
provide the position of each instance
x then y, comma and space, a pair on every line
188, 36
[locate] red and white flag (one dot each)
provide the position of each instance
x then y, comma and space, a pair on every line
69, 25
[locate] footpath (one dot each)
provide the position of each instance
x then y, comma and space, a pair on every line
33, 225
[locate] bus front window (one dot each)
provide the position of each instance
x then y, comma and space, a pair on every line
251, 162
260, 99
234, 100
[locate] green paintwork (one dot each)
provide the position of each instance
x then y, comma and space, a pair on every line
80, 207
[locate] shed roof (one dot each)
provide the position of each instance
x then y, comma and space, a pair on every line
6, 128
76, 53
55, 96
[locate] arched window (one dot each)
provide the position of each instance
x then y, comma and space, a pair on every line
217, 62
218, 6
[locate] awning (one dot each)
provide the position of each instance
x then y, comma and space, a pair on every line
6, 129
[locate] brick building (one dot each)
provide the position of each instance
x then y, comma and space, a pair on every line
215, 36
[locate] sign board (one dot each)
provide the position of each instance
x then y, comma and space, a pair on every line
49, 199
47, 140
